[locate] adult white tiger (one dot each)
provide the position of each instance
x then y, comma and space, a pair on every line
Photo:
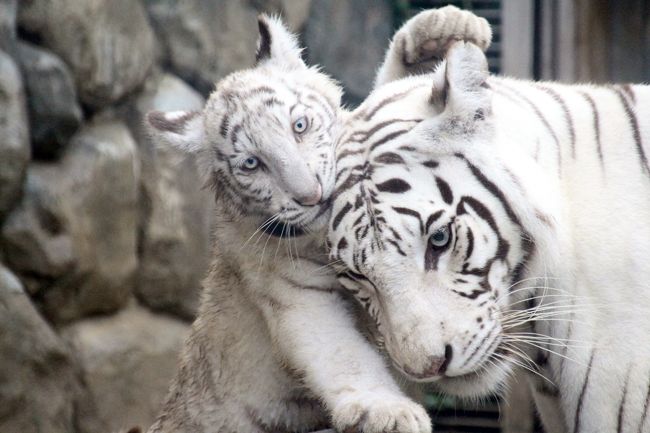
274, 348
486, 223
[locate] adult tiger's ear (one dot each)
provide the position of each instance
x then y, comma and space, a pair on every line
276, 45
181, 129
460, 86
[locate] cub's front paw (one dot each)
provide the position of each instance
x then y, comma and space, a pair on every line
376, 412
429, 35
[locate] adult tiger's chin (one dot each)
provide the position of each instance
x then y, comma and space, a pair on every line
489, 379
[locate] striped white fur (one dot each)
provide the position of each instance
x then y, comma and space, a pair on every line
274, 347
545, 191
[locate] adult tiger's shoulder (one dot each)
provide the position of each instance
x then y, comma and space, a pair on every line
489, 224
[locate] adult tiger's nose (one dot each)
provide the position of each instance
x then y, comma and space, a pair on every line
313, 198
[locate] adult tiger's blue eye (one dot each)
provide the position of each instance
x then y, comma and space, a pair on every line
251, 163
300, 125
440, 238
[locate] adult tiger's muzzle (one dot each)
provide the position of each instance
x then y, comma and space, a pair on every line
430, 334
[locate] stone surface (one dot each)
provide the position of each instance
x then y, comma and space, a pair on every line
8, 11
14, 134
296, 13
195, 33
38, 384
175, 210
74, 233
54, 113
108, 44
127, 361
355, 50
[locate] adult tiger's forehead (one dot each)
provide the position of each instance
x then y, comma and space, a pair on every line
375, 139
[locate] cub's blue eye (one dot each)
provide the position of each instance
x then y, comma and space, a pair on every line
251, 163
300, 125
440, 239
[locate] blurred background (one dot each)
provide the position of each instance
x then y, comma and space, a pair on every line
104, 239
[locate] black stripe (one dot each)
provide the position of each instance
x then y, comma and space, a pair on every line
432, 218
394, 186
583, 390
445, 191
627, 88
397, 247
388, 138
545, 122
410, 212
599, 147
470, 244
317, 97
390, 158
634, 124
481, 210
645, 410
567, 116
621, 408
492, 188
430, 164
361, 136
349, 152
339, 216
223, 128
390, 100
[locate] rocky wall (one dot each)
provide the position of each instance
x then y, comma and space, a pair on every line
104, 236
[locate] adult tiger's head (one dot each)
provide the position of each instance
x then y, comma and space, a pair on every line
265, 137
430, 226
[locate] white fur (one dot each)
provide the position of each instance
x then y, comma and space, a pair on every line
274, 346
587, 217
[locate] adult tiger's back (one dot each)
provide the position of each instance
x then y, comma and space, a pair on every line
489, 223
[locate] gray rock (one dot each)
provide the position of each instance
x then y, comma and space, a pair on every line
295, 13
127, 362
54, 113
38, 384
14, 134
74, 233
108, 44
353, 52
175, 211
8, 11
205, 40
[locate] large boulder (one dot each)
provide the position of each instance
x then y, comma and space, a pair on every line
174, 208
54, 113
14, 134
127, 361
38, 383
353, 52
204, 40
108, 44
73, 236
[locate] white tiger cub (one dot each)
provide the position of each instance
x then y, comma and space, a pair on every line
274, 347
487, 223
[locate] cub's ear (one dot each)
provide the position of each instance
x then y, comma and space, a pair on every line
180, 129
277, 45
460, 84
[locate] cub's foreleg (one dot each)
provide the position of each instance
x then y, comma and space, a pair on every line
316, 337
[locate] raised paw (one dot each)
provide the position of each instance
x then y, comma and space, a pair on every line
370, 412
428, 35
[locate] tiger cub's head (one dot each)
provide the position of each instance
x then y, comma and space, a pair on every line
265, 137
430, 228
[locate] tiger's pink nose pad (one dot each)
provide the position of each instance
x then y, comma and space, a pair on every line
314, 199
438, 365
